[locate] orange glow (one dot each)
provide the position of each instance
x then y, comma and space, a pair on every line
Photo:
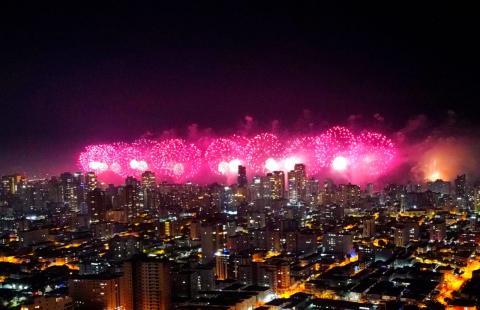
297, 288
58, 261
452, 282
12, 260
376, 242
444, 158
434, 176
260, 257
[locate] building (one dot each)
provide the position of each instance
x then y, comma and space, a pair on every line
53, 302
312, 191
221, 264
105, 291
69, 186
368, 227
131, 198
476, 199
91, 181
148, 187
438, 231
242, 180
275, 185
404, 233
439, 187
338, 243
151, 284
461, 186
97, 205
208, 241
226, 200
149, 180
297, 184
10, 183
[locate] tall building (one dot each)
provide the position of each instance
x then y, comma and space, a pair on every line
151, 284
369, 227
312, 191
131, 197
148, 187
70, 185
226, 201
221, 264
242, 180
97, 206
149, 180
348, 194
476, 199
91, 181
461, 186
283, 275
274, 185
10, 183
297, 184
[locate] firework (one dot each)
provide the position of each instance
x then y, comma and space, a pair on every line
223, 156
263, 152
336, 150
374, 153
97, 158
340, 163
301, 150
176, 159
336, 141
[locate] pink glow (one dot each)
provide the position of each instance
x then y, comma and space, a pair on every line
368, 155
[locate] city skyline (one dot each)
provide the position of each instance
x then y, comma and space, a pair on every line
238, 155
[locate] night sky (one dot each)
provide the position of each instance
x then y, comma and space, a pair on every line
71, 76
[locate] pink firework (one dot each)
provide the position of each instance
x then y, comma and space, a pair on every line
130, 160
374, 154
264, 153
336, 144
97, 158
176, 159
223, 156
301, 150
363, 158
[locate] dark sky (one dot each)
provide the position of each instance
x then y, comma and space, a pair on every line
70, 76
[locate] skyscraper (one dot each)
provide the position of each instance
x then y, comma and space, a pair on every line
97, 205
132, 197
151, 284
148, 180
10, 183
297, 184
461, 186
221, 264
242, 176
91, 180
273, 185
369, 227
148, 188
70, 186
